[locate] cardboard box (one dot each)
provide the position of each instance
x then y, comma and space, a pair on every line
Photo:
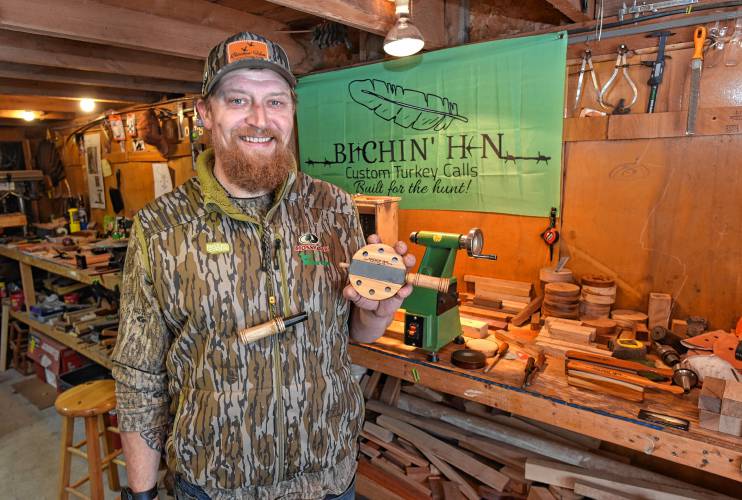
52, 358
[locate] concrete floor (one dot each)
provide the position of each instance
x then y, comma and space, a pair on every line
30, 447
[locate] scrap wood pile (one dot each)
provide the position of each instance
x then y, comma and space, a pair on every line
418, 443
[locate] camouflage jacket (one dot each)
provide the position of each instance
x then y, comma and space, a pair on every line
277, 417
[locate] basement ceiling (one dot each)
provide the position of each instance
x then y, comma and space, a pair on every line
54, 53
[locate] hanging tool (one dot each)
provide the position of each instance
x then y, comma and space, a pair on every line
497, 357
432, 316
551, 234
272, 327
658, 68
696, 65
621, 65
587, 62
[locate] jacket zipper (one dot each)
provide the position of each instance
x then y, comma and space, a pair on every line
277, 371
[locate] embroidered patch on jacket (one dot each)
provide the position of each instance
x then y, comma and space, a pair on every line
309, 242
217, 247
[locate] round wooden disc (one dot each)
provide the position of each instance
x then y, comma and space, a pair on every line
381, 255
597, 280
598, 299
548, 275
468, 359
549, 313
629, 315
725, 347
563, 303
596, 290
603, 326
485, 346
562, 289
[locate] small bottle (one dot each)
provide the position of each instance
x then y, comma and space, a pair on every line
74, 220
83, 216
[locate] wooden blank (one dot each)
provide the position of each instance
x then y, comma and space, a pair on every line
600, 492
711, 395
401, 453
474, 328
373, 381
660, 307
451, 474
390, 392
731, 404
708, 420
540, 493
730, 425
378, 432
566, 476
376, 482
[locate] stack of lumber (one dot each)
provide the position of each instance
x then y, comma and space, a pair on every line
425, 447
720, 406
561, 300
559, 335
507, 295
598, 295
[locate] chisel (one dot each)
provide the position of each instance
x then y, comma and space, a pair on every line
696, 65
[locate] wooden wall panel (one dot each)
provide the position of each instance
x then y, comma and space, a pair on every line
662, 215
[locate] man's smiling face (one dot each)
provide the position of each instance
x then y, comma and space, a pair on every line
251, 118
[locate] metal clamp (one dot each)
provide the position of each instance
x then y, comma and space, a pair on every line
587, 62
623, 66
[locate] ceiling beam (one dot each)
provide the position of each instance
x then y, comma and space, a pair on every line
33, 72
377, 16
17, 114
210, 14
26, 48
71, 91
39, 103
167, 33
571, 9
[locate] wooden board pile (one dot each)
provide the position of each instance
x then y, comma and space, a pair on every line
720, 406
506, 295
559, 335
561, 300
426, 445
598, 295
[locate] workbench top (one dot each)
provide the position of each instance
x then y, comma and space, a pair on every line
551, 400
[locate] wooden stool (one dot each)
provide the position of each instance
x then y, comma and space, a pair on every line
91, 401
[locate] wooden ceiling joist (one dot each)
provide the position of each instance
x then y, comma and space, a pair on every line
39, 103
71, 91
40, 115
26, 48
571, 9
377, 16
167, 33
33, 72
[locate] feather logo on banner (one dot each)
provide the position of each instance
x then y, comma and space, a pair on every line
407, 108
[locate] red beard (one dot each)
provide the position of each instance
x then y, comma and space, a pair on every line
254, 171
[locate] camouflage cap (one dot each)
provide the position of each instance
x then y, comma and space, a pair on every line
245, 50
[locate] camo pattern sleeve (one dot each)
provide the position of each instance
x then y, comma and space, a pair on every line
142, 400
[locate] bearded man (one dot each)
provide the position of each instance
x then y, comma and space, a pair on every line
247, 240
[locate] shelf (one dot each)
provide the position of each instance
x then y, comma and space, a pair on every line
109, 281
93, 352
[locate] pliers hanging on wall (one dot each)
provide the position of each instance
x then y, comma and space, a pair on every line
620, 107
586, 67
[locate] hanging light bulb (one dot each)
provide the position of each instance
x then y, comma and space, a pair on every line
28, 116
87, 105
404, 39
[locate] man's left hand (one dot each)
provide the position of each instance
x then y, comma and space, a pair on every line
383, 308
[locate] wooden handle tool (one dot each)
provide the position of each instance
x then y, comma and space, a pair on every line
501, 350
621, 364
623, 377
377, 272
272, 327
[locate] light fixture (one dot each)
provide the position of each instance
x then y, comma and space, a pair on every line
404, 39
87, 105
28, 116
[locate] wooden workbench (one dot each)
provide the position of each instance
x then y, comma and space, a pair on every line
27, 261
551, 400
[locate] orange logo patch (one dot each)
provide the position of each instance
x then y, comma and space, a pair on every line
246, 49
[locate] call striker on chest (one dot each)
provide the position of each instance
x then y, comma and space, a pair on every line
432, 316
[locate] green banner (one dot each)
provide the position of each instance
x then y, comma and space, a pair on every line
476, 127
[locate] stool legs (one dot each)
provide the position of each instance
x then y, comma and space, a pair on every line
108, 446
94, 461
68, 426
